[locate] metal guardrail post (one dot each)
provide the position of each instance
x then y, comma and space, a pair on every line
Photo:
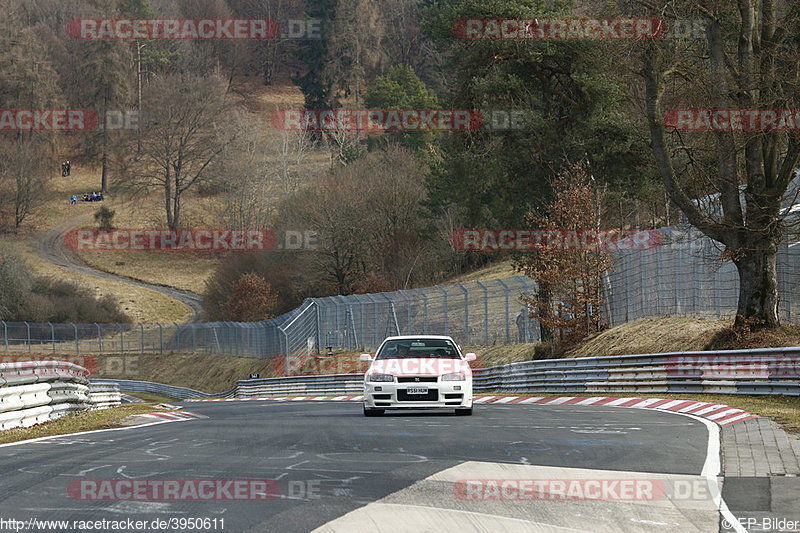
77, 341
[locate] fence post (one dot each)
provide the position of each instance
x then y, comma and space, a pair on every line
5, 334
121, 339
77, 342
319, 325
28, 328
466, 312
353, 323
141, 346
286, 352
485, 312
444, 307
99, 337
52, 336
508, 318
394, 317
160, 338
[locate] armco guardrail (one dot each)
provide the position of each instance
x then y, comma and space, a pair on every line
33, 392
334, 384
181, 393
104, 395
758, 371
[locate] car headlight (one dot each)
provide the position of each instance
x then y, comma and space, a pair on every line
380, 377
455, 376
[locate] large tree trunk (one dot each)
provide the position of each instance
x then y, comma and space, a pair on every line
758, 289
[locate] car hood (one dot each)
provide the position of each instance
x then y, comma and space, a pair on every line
419, 367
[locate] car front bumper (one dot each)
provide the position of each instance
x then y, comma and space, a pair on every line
441, 395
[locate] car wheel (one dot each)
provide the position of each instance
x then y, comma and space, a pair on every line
373, 412
464, 412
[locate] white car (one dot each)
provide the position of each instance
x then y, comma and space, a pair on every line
418, 372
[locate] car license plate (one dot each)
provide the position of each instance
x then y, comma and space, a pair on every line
417, 390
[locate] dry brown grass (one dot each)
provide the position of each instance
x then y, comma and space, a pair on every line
731, 338
206, 373
500, 270
651, 335
142, 305
75, 423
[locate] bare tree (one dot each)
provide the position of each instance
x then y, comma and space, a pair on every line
24, 166
187, 126
729, 184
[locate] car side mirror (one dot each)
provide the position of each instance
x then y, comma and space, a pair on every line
365, 357
470, 357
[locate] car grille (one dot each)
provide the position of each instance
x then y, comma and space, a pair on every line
420, 379
432, 396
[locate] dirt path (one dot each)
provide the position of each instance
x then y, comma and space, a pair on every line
50, 246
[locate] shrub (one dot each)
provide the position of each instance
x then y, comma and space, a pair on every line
105, 217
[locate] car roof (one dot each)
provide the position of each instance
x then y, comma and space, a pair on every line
412, 337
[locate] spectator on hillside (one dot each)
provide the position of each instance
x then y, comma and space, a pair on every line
68, 167
73, 200
86, 197
64, 170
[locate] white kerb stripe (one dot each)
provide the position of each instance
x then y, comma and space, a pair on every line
734, 419
673, 403
723, 414
618, 401
559, 401
590, 401
532, 400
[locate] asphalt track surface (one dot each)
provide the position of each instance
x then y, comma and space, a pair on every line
351, 461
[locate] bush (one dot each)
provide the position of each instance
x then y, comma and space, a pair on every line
38, 299
105, 217
286, 273
252, 299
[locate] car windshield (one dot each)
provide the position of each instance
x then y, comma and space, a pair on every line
418, 348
